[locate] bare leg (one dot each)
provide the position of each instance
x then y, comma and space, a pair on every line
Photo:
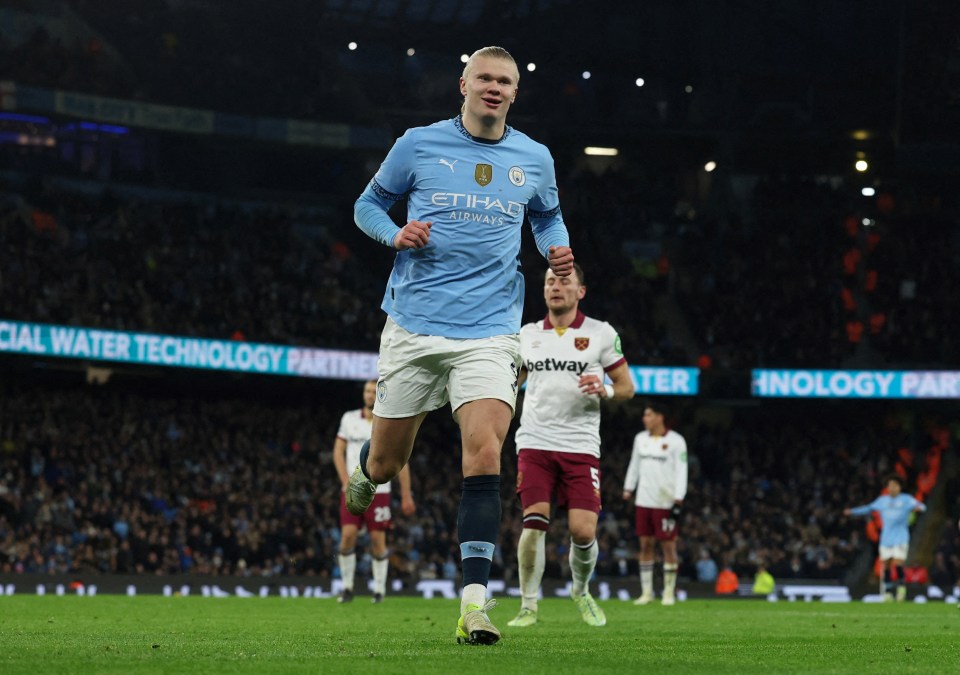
391, 442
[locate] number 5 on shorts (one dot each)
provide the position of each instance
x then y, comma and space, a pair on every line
595, 477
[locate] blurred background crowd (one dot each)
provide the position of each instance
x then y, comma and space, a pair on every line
780, 255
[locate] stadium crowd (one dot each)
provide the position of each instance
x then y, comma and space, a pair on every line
286, 274
266, 275
100, 479
812, 274
789, 272
261, 273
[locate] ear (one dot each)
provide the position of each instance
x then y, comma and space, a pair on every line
514, 97
463, 87
582, 291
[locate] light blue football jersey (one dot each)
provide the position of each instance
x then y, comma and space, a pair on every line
467, 281
895, 513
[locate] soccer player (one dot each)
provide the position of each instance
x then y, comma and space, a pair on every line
895, 509
454, 300
658, 475
565, 356
354, 431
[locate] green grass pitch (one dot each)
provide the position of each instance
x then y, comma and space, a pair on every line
152, 634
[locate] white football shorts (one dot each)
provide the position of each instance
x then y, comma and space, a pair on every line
898, 552
420, 373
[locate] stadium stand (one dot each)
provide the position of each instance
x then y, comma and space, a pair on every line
181, 474
181, 480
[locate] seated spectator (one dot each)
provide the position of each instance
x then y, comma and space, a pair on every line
727, 582
706, 568
763, 582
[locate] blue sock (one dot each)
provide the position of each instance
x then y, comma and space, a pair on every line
478, 526
364, 453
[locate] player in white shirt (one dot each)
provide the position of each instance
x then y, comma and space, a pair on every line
355, 427
658, 475
565, 357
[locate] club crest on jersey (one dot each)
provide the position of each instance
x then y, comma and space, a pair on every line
483, 174
581, 343
517, 176
381, 391
664, 447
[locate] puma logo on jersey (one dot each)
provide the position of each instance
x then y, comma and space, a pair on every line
449, 164
575, 367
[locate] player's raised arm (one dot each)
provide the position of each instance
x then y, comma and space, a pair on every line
391, 183
407, 505
623, 388
546, 221
633, 472
864, 510
340, 461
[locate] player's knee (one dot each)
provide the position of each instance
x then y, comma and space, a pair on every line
348, 541
582, 538
381, 471
582, 534
482, 462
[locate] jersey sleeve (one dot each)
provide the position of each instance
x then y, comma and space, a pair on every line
342, 432
543, 210
393, 180
632, 479
866, 509
681, 470
611, 355
918, 504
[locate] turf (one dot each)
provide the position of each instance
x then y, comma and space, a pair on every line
408, 635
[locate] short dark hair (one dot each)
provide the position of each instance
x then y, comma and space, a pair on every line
894, 477
658, 407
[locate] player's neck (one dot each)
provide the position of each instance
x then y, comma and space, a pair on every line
658, 432
480, 128
563, 320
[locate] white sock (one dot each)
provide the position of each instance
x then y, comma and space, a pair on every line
532, 557
348, 567
669, 578
583, 560
646, 578
380, 566
473, 594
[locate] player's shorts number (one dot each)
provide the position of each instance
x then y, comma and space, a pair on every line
668, 524
595, 477
381, 514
